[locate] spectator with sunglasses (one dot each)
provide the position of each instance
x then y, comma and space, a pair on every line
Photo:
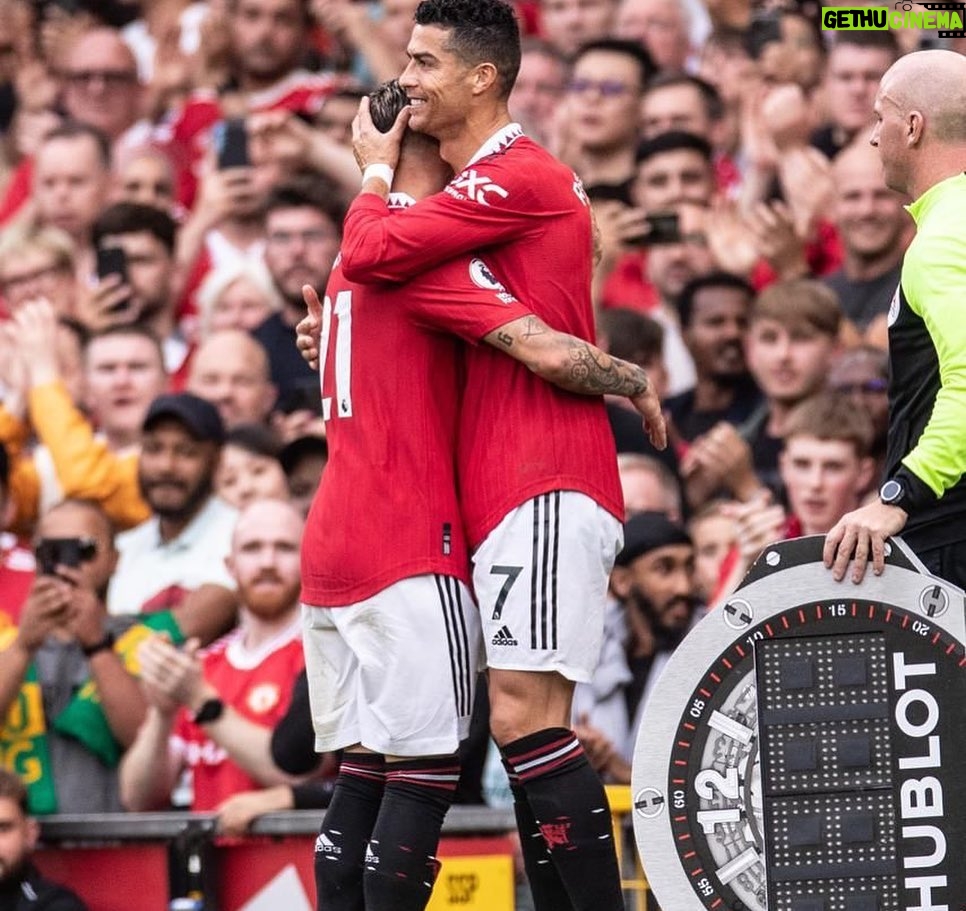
64, 639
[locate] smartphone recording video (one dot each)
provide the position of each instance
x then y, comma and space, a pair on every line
662, 228
53, 552
231, 144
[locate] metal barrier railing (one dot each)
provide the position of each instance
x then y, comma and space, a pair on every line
185, 855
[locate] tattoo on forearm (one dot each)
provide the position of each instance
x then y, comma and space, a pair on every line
593, 371
505, 339
533, 326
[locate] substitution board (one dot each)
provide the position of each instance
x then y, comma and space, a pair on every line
805, 747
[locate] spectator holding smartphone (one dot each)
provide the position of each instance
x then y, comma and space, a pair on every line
65, 638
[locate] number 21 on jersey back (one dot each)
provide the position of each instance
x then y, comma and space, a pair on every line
337, 322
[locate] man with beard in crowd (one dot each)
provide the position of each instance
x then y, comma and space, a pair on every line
21, 885
183, 545
714, 310
654, 582
213, 713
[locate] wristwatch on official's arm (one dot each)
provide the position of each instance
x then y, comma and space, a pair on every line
894, 493
907, 491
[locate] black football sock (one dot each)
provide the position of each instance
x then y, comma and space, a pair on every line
570, 807
401, 864
546, 886
340, 849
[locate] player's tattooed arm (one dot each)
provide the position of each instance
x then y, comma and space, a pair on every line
578, 366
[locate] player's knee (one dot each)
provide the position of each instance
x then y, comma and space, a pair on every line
508, 722
517, 711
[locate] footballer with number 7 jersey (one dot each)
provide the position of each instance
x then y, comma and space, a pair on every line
391, 635
539, 490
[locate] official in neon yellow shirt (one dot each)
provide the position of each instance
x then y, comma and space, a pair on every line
920, 132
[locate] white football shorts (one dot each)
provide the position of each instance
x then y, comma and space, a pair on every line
541, 582
396, 672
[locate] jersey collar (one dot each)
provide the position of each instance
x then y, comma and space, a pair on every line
920, 208
400, 201
502, 139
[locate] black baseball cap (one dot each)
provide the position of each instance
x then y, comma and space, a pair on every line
200, 418
648, 531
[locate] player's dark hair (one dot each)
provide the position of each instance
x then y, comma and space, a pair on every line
636, 51
689, 293
673, 141
630, 335
128, 329
480, 31
306, 191
385, 103
75, 129
133, 218
710, 96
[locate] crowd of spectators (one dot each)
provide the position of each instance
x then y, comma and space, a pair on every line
150, 284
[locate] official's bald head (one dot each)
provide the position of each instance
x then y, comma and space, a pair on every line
920, 128
934, 83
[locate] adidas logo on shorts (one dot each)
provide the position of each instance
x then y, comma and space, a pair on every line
324, 845
504, 637
371, 860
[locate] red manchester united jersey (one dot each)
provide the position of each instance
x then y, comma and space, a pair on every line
386, 508
519, 436
255, 683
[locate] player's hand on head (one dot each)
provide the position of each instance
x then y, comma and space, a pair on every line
373, 147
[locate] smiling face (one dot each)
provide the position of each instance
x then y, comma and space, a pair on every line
715, 334
437, 83
869, 216
175, 470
